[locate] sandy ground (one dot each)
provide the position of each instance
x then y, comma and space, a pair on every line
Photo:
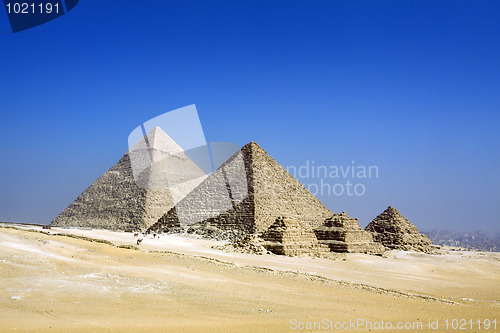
180, 284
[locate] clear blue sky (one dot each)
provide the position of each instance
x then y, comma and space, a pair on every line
411, 87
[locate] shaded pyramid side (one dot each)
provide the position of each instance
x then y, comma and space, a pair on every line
137, 190
342, 233
394, 231
249, 192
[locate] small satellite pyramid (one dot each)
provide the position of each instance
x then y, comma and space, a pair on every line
145, 183
343, 234
247, 192
288, 237
394, 231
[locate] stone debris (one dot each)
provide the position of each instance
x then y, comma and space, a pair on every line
344, 234
394, 231
119, 201
213, 232
251, 244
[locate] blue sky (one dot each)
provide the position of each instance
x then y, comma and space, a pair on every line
411, 87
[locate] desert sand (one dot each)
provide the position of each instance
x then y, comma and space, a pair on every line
56, 283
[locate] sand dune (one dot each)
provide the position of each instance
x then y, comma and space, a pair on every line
58, 283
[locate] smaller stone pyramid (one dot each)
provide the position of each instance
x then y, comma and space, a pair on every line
394, 231
343, 234
287, 236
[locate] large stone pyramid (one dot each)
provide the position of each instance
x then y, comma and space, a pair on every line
394, 231
145, 183
343, 234
248, 192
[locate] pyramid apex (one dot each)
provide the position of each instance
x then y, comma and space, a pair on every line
156, 129
391, 209
156, 138
252, 144
156, 132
